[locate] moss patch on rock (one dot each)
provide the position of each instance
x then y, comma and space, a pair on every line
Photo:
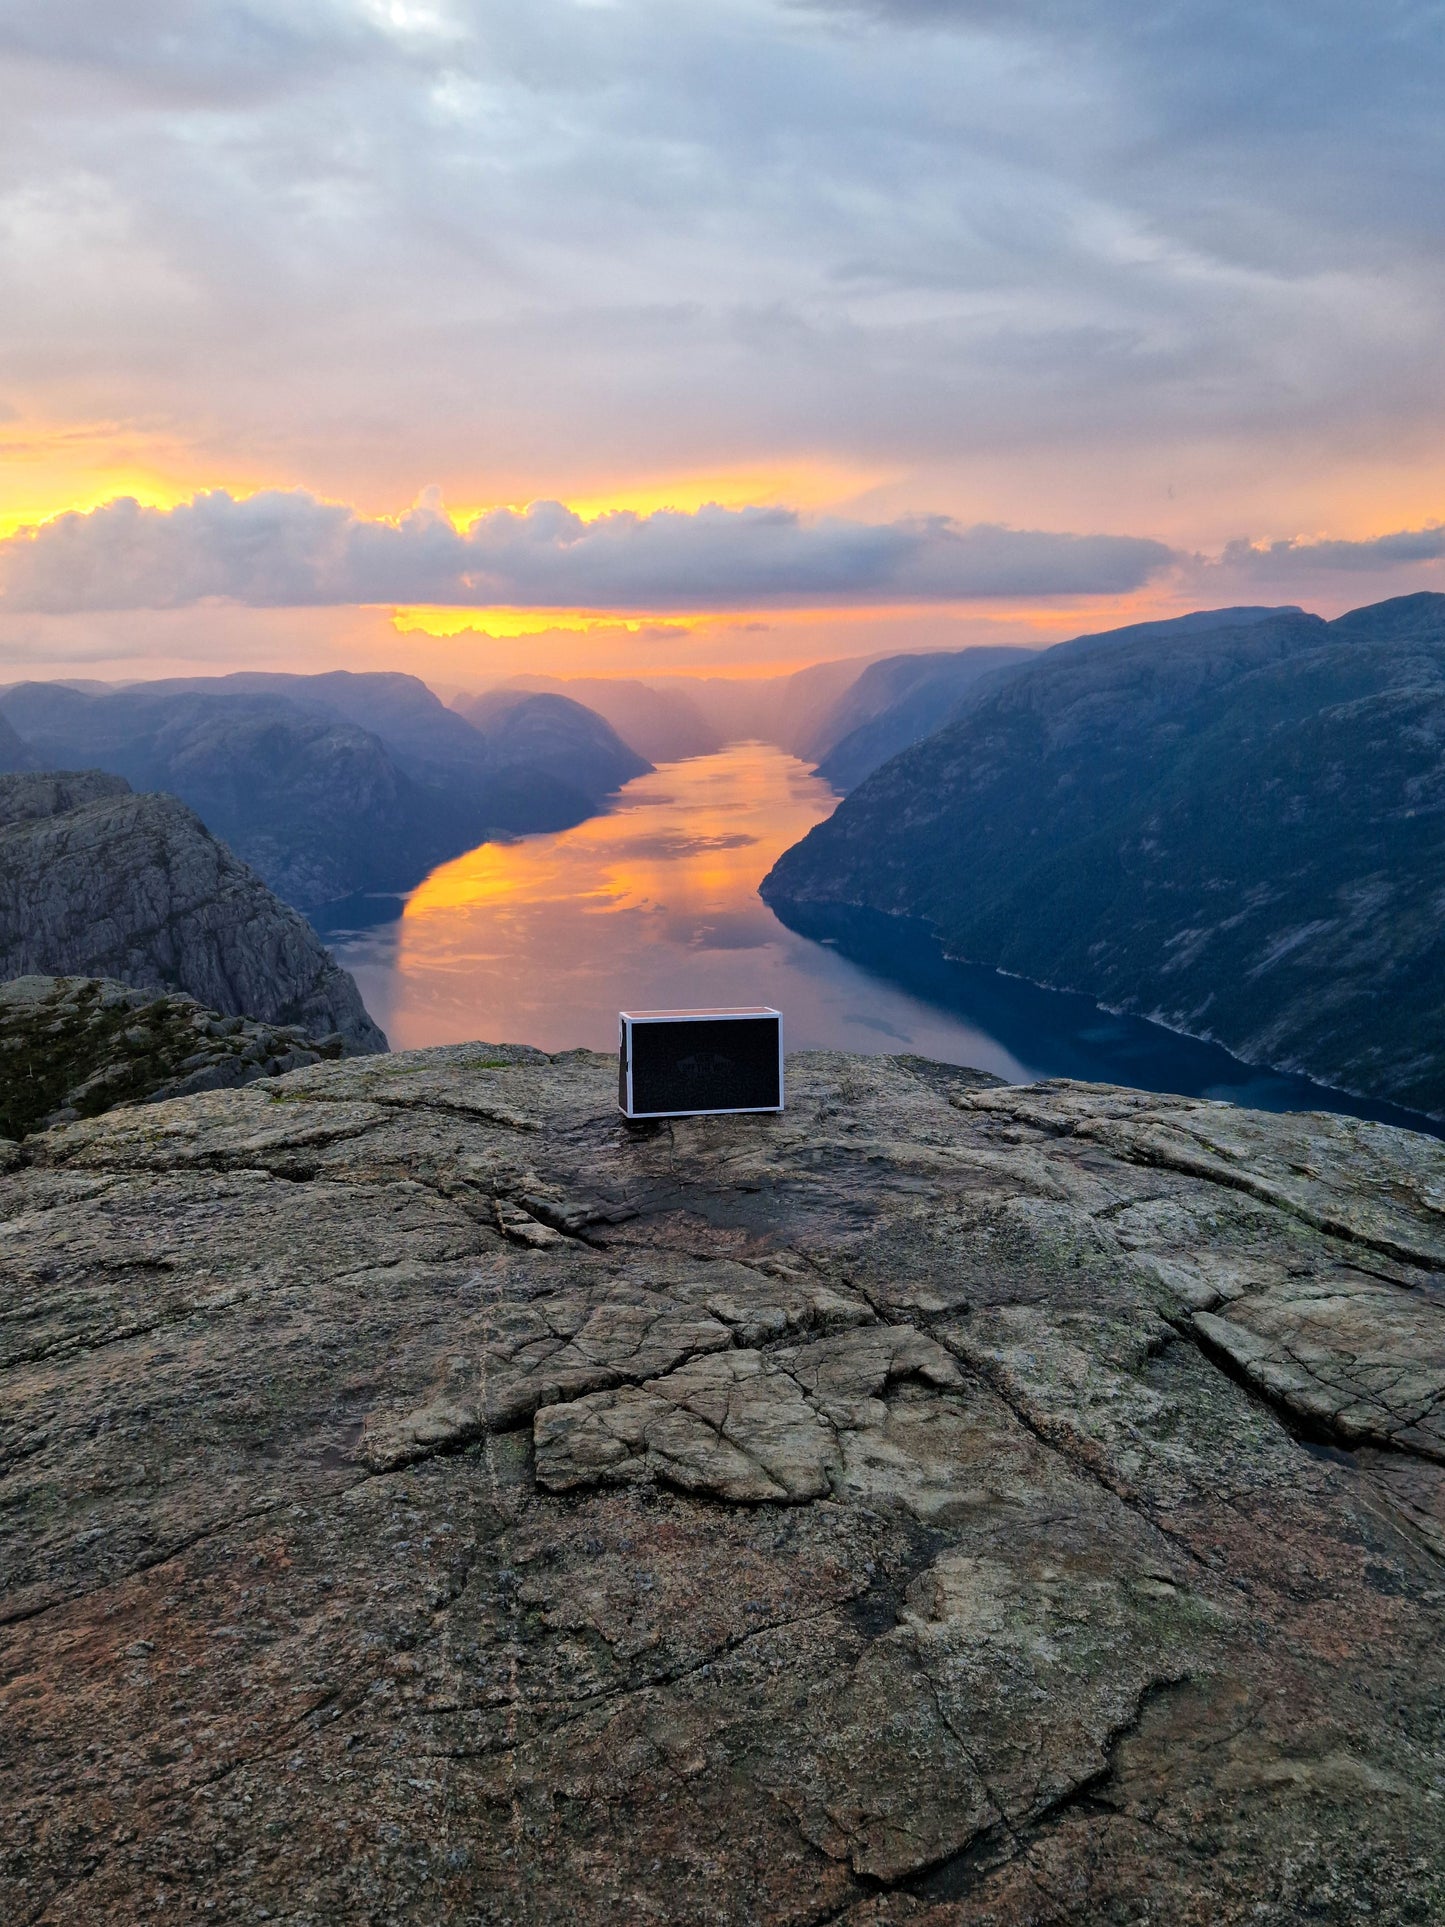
73, 1047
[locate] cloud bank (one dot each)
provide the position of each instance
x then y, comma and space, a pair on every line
1015, 244
1302, 556
290, 549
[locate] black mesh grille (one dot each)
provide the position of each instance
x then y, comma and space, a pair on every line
717, 1064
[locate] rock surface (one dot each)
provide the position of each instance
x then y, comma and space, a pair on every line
96, 881
77, 1046
427, 1498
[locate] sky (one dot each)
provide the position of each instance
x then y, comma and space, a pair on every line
643, 336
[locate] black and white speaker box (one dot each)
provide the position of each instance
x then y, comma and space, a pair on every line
699, 1063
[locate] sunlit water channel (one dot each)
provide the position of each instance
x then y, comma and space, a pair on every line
543, 940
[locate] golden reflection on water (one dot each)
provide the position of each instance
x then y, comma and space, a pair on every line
692, 841
655, 904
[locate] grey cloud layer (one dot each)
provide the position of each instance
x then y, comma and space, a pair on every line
289, 550
1278, 560
893, 230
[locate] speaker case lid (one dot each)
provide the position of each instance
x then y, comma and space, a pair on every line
627, 1020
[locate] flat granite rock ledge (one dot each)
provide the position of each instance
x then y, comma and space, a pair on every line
426, 1498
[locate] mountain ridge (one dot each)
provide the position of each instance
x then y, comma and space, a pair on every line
331, 786
1235, 832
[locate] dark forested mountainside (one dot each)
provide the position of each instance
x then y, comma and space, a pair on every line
332, 785
1238, 831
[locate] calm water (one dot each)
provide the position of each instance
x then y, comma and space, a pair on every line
544, 940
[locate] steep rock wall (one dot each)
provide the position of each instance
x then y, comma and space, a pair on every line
97, 881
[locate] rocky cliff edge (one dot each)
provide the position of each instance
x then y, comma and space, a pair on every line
76, 1046
428, 1498
96, 881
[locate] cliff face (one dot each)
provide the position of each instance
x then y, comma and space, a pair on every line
95, 881
429, 1499
1237, 832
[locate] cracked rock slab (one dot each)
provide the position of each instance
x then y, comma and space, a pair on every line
734, 1425
426, 1498
1350, 1356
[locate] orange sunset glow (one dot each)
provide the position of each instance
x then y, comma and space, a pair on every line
722, 905
879, 396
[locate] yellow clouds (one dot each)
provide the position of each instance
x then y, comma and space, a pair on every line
51, 468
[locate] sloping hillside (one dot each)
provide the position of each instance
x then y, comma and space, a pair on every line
902, 699
560, 739
662, 725
1240, 831
332, 785
897, 702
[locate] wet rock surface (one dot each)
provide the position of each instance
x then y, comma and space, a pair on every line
424, 1497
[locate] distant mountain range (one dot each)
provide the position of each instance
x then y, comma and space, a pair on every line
847, 717
330, 785
670, 717
663, 725
1236, 827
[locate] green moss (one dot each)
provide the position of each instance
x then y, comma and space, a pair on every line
50, 1049
47, 1049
